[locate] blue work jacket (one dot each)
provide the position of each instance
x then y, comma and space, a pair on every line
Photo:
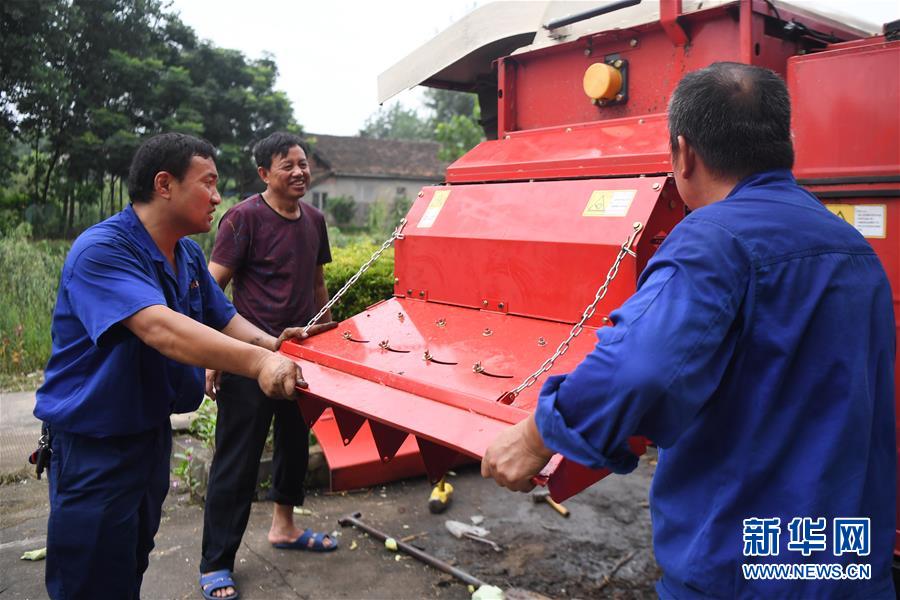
758, 354
101, 379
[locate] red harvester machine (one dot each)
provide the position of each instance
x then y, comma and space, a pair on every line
496, 267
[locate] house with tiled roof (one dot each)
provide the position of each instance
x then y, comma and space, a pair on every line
370, 170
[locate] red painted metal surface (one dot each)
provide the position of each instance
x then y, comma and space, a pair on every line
529, 245
847, 139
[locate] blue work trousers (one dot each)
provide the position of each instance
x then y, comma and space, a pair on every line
106, 498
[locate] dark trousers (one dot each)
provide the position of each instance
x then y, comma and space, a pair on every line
242, 425
106, 497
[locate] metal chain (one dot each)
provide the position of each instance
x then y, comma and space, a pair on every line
587, 314
397, 235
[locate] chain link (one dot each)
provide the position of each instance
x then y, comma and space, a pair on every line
397, 235
587, 314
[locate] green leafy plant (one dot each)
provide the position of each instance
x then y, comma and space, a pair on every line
342, 209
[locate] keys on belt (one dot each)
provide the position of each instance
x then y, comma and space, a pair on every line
40, 458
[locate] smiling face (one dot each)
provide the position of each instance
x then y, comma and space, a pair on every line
289, 175
195, 197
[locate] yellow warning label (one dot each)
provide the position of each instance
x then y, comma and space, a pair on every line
434, 209
609, 203
868, 219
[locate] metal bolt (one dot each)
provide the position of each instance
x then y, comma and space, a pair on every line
421, 194
484, 302
618, 64
505, 137
542, 341
605, 319
486, 332
640, 121
400, 317
656, 187
568, 130
409, 292
587, 51
422, 294
396, 280
620, 97
633, 42
595, 101
500, 306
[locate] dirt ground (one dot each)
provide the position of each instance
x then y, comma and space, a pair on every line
602, 551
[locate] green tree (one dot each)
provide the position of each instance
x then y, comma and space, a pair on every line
397, 122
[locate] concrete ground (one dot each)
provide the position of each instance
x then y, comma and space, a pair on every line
602, 551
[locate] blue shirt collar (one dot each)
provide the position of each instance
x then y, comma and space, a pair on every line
142, 237
763, 178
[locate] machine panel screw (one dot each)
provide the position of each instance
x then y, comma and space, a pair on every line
542, 341
656, 187
421, 293
587, 51
619, 97
633, 42
618, 64
487, 332
605, 320
396, 280
484, 302
500, 306
421, 194
409, 292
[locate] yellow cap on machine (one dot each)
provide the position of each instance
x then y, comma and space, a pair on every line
602, 81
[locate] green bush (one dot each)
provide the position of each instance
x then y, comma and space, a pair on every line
377, 284
29, 279
342, 209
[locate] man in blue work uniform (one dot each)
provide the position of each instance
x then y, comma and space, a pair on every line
758, 353
137, 318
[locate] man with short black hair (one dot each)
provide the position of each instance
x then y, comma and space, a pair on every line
272, 247
757, 353
137, 317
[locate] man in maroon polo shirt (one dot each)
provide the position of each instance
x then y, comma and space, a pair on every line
272, 248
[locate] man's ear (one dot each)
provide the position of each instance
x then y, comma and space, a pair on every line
263, 174
686, 159
162, 184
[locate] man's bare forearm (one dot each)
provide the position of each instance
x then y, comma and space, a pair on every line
183, 339
241, 329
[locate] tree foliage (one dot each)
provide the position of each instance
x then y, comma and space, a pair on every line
84, 81
452, 120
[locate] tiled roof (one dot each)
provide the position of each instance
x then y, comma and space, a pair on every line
370, 157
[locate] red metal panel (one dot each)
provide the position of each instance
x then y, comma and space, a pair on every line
599, 149
847, 111
526, 245
358, 464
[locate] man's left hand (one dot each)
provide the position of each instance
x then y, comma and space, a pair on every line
517, 455
296, 333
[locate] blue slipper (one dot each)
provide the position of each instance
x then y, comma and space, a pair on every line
302, 542
217, 580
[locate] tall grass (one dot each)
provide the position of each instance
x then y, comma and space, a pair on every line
29, 279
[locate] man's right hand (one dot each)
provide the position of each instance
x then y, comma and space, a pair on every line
279, 377
213, 378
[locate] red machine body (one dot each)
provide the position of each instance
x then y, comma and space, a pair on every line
495, 267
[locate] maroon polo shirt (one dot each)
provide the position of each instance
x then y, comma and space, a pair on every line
274, 261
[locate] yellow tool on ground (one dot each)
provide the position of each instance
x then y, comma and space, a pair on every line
440, 497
